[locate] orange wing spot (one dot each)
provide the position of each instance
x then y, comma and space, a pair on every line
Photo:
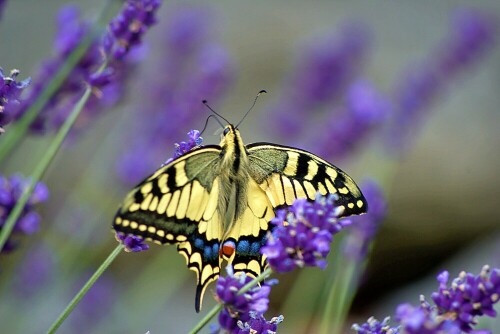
227, 249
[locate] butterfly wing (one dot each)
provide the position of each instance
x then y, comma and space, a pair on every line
287, 173
279, 175
178, 205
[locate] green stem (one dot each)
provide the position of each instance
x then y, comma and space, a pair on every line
84, 289
339, 299
206, 319
42, 167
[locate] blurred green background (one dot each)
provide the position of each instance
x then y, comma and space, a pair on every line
442, 193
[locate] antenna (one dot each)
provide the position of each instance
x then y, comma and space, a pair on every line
206, 105
206, 123
254, 102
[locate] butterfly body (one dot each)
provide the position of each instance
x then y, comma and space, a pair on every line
215, 202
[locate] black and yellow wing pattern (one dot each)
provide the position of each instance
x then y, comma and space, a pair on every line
216, 202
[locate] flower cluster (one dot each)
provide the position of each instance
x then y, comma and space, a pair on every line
373, 326
303, 233
109, 85
11, 189
132, 243
243, 313
10, 93
127, 29
456, 306
183, 147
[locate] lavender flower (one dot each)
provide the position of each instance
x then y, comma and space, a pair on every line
364, 110
468, 297
10, 93
320, 76
456, 306
183, 147
365, 227
132, 243
472, 34
373, 326
242, 311
37, 270
198, 69
126, 30
11, 189
125, 33
302, 235
259, 324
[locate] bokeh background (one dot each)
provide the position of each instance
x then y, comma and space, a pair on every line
440, 177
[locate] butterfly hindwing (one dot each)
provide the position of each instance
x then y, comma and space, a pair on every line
178, 205
287, 173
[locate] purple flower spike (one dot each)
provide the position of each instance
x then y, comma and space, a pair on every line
472, 33
303, 234
468, 296
183, 147
373, 326
10, 93
10, 191
365, 227
243, 313
456, 306
132, 243
126, 30
321, 75
364, 110
258, 324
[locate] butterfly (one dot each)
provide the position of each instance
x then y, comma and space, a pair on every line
216, 202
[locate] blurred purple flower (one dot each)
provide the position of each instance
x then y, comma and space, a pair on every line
2, 7
472, 34
11, 190
198, 69
128, 27
35, 271
94, 306
321, 74
373, 326
10, 93
364, 110
132, 243
108, 86
303, 233
364, 228
456, 307
239, 309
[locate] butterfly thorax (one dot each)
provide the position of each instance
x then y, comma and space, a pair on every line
233, 177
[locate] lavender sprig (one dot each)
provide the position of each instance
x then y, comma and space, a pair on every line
242, 311
11, 190
10, 96
455, 310
303, 233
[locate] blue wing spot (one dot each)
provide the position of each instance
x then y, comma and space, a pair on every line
207, 253
255, 247
243, 247
199, 243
